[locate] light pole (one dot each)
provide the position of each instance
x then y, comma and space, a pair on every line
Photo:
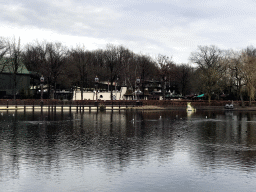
42, 84
96, 86
137, 83
164, 86
115, 87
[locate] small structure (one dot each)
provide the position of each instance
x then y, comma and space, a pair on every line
100, 95
189, 107
229, 106
8, 79
136, 95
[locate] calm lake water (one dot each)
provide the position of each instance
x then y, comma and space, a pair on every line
128, 151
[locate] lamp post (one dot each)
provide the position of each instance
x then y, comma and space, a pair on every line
164, 86
115, 87
42, 84
137, 83
96, 86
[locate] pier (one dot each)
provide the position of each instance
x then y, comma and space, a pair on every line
58, 105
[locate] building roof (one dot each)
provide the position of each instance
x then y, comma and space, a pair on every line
7, 67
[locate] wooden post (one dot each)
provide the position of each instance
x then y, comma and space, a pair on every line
49, 110
62, 106
41, 107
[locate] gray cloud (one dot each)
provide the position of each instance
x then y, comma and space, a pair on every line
168, 27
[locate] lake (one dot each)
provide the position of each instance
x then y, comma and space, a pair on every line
128, 151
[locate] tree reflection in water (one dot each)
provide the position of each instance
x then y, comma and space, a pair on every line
45, 145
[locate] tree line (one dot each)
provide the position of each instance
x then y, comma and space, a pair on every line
226, 72
216, 73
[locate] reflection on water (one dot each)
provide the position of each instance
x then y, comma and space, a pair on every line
128, 151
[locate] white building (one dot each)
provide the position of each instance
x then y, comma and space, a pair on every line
106, 95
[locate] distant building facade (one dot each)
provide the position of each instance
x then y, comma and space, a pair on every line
7, 81
100, 95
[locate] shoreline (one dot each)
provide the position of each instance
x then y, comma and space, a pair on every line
152, 107
145, 107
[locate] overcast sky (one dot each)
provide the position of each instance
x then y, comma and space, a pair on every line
170, 27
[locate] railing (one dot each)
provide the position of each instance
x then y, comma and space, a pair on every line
8, 102
49, 102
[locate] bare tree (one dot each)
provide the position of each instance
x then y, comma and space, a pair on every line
125, 60
47, 59
236, 78
249, 68
145, 69
164, 64
81, 59
34, 57
129, 69
3, 52
14, 65
54, 63
209, 66
99, 67
184, 78
114, 64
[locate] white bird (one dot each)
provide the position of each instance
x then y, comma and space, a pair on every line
205, 117
2, 114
